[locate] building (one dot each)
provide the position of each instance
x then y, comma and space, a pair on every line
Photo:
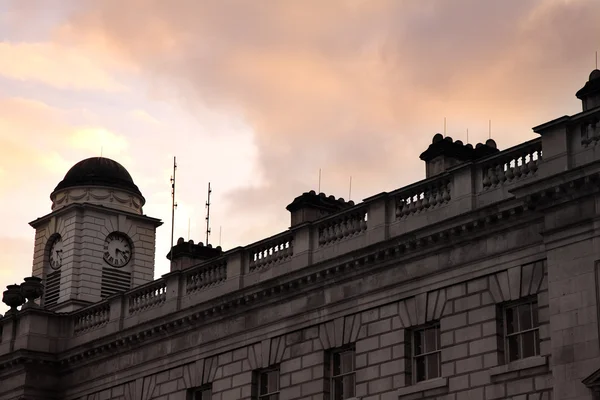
479, 282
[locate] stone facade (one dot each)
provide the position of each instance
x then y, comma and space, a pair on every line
83, 229
479, 282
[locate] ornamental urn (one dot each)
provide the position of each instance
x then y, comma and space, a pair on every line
32, 290
12, 297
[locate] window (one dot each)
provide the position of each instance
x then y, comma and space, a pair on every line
341, 374
521, 330
202, 393
426, 353
267, 382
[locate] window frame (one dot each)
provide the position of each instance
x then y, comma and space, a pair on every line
200, 389
332, 378
534, 308
258, 380
413, 357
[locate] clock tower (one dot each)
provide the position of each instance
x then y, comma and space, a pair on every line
96, 241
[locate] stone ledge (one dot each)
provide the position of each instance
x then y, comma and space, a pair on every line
526, 363
422, 386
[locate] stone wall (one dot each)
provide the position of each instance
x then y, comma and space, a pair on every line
472, 365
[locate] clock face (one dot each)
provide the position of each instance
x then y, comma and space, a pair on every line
117, 250
56, 253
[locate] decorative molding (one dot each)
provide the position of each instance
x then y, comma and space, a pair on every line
148, 387
396, 249
422, 308
99, 195
340, 332
192, 374
129, 391
266, 353
517, 282
209, 370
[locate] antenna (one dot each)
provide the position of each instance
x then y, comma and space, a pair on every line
220, 235
319, 180
174, 205
350, 190
596, 60
189, 224
102, 148
490, 130
444, 126
467, 135
208, 214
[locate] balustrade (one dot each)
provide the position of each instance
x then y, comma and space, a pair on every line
205, 276
513, 164
427, 196
147, 297
343, 226
91, 318
270, 252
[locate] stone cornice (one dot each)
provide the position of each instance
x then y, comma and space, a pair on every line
28, 357
564, 120
402, 248
81, 206
554, 190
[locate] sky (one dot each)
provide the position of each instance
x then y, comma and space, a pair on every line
257, 96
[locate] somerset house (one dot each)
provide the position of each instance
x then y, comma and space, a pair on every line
481, 281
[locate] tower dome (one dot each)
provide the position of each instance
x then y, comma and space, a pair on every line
101, 181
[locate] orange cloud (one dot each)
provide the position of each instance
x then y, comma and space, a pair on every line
55, 65
353, 87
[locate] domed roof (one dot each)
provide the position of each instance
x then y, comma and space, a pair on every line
99, 171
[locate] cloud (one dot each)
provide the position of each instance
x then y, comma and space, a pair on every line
143, 116
98, 140
353, 87
55, 65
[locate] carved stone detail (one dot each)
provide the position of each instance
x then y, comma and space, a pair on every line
98, 195
339, 332
422, 308
266, 353
517, 282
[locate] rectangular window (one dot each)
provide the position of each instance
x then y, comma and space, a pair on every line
267, 384
521, 330
341, 374
201, 393
426, 353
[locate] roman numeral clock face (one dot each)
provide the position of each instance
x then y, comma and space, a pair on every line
56, 253
117, 250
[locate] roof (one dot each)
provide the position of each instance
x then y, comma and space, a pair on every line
99, 171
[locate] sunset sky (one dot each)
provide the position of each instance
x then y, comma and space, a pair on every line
256, 96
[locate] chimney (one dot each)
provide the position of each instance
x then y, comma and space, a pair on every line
443, 153
311, 206
186, 254
590, 93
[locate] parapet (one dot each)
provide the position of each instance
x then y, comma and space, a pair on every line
443, 153
186, 254
311, 206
